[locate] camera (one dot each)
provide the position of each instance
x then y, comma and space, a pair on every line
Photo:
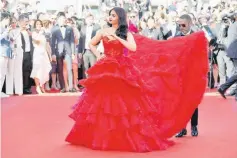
230, 16
225, 19
138, 2
217, 46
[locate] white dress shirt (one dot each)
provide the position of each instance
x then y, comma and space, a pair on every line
188, 33
172, 27
89, 30
27, 40
63, 31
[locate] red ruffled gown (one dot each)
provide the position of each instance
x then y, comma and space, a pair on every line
136, 103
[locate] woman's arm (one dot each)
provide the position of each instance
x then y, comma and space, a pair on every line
130, 43
95, 40
49, 51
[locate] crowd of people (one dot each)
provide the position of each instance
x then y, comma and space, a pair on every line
52, 48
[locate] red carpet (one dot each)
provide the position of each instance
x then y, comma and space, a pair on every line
35, 127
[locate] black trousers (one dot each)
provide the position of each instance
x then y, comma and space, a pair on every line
60, 71
232, 80
27, 68
194, 118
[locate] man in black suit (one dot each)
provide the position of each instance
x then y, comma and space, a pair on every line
87, 32
232, 53
28, 49
185, 25
63, 51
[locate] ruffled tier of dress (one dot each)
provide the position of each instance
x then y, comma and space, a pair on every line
114, 113
137, 103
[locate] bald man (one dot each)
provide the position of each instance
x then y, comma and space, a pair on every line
185, 25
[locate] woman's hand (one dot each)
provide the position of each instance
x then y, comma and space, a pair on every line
112, 35
100, 56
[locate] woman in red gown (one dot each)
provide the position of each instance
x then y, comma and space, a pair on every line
137, 102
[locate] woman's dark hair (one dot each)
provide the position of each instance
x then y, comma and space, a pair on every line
23, 16
5, 15
39, 14
61, 14
122, 22
41, 23
69, 20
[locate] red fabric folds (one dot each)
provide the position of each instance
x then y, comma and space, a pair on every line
136, 103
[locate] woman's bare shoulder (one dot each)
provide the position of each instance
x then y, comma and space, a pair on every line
130, 35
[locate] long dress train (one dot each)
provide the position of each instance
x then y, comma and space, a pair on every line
176, 73
136, 102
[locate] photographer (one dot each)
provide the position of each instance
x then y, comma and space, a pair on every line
231, 53
219, 47
211, 37
233, 79
232, 37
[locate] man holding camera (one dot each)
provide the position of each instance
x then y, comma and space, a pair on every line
232, 54
28, 50
225, 64
232, 37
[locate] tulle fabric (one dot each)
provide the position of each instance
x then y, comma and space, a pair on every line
136, 103
177, 72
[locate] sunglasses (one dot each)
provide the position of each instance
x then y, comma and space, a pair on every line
182, 25
132, 16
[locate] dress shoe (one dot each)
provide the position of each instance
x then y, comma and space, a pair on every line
194, 131
27, 92
73, 90
64, 90
181, 133
222, 92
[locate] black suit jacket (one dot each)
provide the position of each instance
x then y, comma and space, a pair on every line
179, 34
232, 50
82, 39
24, 44
61, 46
27, 60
